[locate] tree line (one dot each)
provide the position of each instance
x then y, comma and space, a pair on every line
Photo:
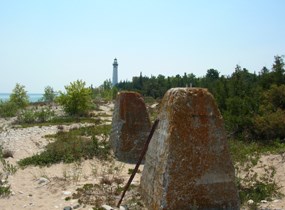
252, 104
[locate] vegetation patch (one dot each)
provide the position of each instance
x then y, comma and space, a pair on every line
243, 151
252, 185
255, 187
66, 120
77, 100
108, 191
4, 190
33, 115
8, 169
77, 144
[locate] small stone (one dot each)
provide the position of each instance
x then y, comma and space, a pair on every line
154, 105
66, 192
76, 206
67, 208
43, 180
275, 201
249, 202
263, 201
107, 207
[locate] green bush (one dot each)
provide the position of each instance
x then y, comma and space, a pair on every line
8, 168
8, 109
44, 115
77, 100
26, 116
258, 191
19, 96
49, 94
269, 124
5, 191
33, 116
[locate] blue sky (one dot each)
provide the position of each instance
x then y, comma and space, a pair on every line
55, 42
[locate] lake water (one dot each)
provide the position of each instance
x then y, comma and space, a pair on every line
33, 97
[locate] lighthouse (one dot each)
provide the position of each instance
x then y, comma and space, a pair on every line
115, 72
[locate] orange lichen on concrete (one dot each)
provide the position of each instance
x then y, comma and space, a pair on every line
130, 126
188, 163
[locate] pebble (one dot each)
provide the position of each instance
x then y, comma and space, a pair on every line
66, 193
43, 180
250, 202
106, 207
76, 206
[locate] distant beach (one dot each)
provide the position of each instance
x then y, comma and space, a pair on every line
33, 97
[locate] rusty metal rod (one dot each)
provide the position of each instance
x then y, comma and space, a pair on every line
139, 161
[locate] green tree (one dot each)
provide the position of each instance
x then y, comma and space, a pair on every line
278, 70
269, 124
265, 78
212, 74
276, 97
19, 96
77, 100
114, 92
49, 94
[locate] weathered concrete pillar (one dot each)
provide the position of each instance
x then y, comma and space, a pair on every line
130, 126
188, 164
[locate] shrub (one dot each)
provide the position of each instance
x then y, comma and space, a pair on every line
8, 109
26, 116
77, 100
269, 124
8, 168
49, 94
44, 115
5, 190
19, 96
32, 116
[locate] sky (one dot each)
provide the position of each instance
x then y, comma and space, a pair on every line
55, 42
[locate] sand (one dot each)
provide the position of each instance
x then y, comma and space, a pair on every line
46, 188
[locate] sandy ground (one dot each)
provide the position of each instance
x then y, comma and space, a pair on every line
277, 163
46, 188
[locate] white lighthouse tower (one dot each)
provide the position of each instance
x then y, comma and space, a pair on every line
115, 72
